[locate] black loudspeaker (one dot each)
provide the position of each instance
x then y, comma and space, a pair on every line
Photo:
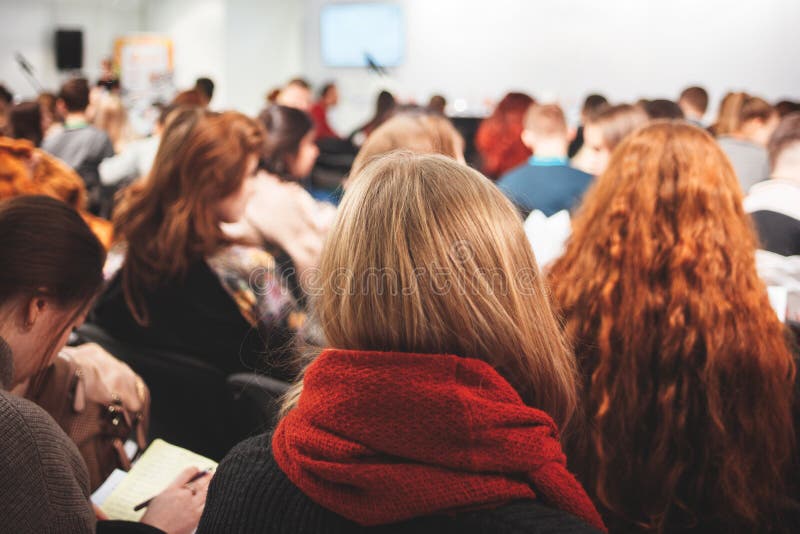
69, 49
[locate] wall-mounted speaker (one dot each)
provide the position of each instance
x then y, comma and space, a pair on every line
69, 49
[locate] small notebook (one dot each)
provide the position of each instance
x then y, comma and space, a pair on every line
160, 464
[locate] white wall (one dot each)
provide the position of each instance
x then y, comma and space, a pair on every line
561, 49
29, 27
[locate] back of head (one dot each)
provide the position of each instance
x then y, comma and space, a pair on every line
170, 219
696, 98
437, 104
661, 108
729, 115
421, 133
785, 139
75, 94
616, 122
5, 95
427, 256
755, 108
785, 107
26, 122
593, 104
498, 136
546, 121
206, 87
47, 249
285, 128
190, 97
676, 399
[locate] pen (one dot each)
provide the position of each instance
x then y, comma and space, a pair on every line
197, 476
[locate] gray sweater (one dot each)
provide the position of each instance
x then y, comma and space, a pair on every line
44, 484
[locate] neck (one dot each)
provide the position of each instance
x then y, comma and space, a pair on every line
555, 148
75, 116
787, 172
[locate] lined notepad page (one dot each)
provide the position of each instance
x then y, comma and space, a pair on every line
160, 464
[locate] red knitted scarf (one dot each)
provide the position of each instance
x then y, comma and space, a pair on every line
383, 437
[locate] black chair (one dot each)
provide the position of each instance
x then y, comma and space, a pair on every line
193, 404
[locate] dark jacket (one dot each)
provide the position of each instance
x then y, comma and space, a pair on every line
249, 493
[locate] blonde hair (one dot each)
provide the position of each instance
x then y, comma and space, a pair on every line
547, 120
417, 132
427, 256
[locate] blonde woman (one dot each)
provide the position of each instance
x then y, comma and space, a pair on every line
436, 406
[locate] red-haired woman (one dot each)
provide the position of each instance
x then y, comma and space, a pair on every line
183, 283
688, 378
498, 137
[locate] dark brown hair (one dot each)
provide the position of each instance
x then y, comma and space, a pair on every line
26, 122
46, 248
688, 378
285, 128
75, 94
787, 133
695, 96
169, 219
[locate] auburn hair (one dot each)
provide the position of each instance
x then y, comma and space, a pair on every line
428, 256
168, 219
498, 137
688, 378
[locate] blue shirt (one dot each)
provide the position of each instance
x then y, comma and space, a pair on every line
546, 184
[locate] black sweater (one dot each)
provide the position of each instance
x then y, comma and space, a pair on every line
249, 493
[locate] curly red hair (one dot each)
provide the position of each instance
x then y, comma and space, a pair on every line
498, 139
688, 377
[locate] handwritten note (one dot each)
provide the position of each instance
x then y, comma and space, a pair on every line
160, 464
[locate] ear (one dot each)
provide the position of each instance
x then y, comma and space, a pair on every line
34, 309
528, 139
571, 133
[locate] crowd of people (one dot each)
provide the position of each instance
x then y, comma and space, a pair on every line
444, 378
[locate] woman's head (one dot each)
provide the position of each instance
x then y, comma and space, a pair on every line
421, 133
199, 179
50, 271
498, 137
289, 149
26, 122
689, 380
606, 129
111, 117
757, 120
428, 256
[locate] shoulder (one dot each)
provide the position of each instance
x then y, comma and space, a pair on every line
40, 463
515, 174
250, 492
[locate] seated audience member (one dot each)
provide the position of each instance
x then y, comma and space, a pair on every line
27, 170
281, 212
50, 270
111, 117
727, 114
431, 411
546, 182
384, 107
775, 204
592, 105
296, 94
662, 108
25, 122
603, 132
694, 103
786, 107
415, 131
136, 160
437, 104
183, 284
205, 86
498, 139
328, 98
52, 122
746, 143
688, 380
6, 101
190, 98
80, 145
